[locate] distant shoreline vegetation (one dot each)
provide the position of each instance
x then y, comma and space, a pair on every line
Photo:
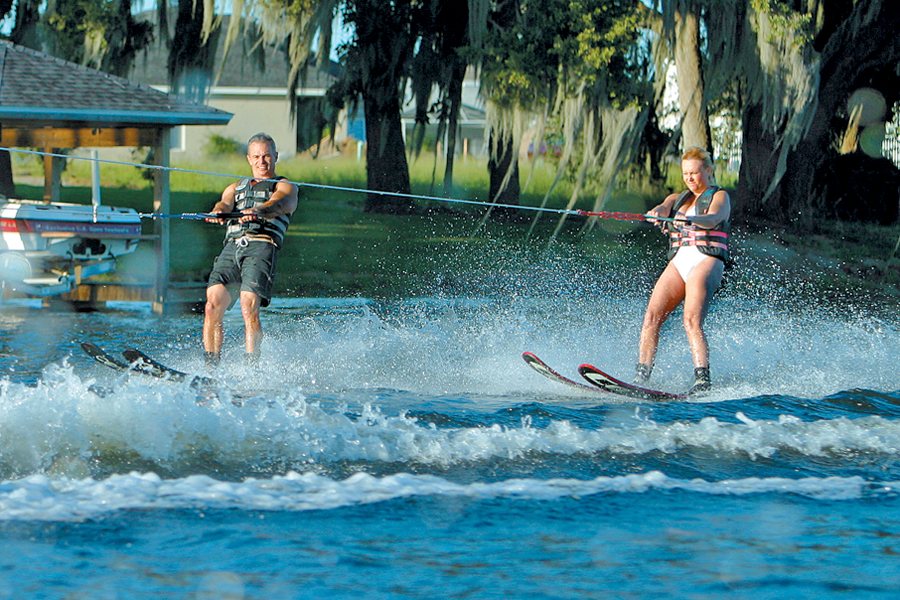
334, 248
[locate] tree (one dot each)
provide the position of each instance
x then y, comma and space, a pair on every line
376, 64
192, 47
572, 63
798, 65
777, 67
691, 89
96, 33
440, 63
395, 43
25, 30
864, 44
505, 103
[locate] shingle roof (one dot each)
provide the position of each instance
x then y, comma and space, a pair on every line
35, 87
241, 69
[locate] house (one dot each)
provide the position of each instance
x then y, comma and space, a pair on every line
258, 99
256, 96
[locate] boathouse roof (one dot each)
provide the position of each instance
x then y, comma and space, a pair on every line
40, 90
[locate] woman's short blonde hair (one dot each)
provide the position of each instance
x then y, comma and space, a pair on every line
698, 153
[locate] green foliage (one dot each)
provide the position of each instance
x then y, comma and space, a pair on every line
785, 18
292, 9
219, 145
379, 54
559, 45
98, 33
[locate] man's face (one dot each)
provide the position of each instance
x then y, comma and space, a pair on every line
262, 160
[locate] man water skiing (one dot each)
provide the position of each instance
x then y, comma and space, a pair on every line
245, 268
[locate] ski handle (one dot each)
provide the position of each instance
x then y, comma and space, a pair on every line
194, 216
623, 216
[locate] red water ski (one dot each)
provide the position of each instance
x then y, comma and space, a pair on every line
614, 386
541, 367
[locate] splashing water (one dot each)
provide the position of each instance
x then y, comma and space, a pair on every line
396, 432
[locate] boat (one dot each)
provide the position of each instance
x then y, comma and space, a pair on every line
47, 248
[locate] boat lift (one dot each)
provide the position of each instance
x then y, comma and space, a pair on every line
48, 249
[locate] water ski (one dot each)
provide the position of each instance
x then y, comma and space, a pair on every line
541, 367
601, 382
614, 386
141, 363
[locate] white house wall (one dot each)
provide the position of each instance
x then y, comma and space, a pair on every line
252, 113
254, 110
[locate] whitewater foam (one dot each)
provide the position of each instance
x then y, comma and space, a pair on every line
146, 423
38, 497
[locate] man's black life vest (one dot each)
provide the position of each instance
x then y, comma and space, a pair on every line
713, 242
249, 195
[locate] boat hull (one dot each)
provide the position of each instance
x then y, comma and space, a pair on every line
71, 231
46, 249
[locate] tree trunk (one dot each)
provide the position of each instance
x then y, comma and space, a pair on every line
863, 43
25, 31
507, 157
7, 186
376, 66
454, 26
386, 166
502, 154
454, 96
695, 121
759, 162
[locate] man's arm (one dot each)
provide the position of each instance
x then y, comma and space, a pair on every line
225, 204
283, 201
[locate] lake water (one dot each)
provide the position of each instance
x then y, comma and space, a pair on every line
403, 449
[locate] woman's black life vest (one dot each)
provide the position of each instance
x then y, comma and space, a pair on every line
249, 195
713, 242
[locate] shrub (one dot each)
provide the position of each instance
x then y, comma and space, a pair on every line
219, 145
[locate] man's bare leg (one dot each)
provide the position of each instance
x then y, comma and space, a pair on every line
253, 333
217, 301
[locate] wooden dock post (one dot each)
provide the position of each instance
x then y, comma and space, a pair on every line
161, 228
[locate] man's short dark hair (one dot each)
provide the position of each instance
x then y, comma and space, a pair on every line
263, 138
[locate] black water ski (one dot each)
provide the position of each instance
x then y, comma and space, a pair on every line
141, 363
541, 367
207, 388
98, 354
145, 364
612, 385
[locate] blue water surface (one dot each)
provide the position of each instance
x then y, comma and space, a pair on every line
403, 449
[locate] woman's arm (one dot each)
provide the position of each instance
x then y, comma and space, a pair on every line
719, 211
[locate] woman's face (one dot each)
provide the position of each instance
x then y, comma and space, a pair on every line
696, 176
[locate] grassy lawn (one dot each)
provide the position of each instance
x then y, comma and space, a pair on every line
333, 248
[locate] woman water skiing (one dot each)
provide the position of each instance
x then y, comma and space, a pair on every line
698, 249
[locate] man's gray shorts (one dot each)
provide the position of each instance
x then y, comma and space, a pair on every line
246, 265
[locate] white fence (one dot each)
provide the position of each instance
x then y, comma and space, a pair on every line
891, 146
